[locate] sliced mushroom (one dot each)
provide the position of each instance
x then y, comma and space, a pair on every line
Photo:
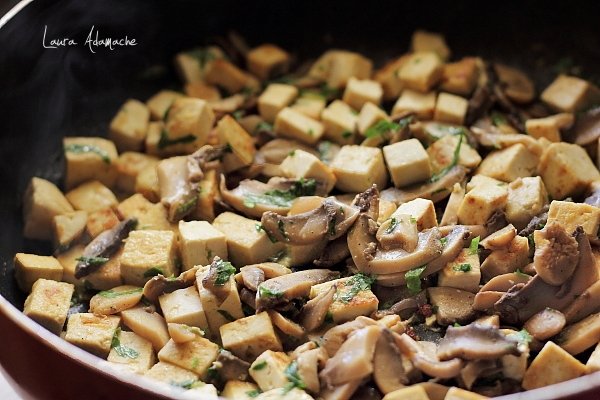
276, 150
450, 216
485, 301
103, 246
367, 202
501, 141
502, 283
536, 222
401, 307
335, 252
252, 276
434, 191
211, 282
231, 367
314, 312
327, 222
248, 297
362, 242
451, 305
516, 85
455, 241
545, 324
587, 127
341, 392
398, 232
336, 336
556, 254
473, 370
476, 342
500, 239
178, 193
286, 325
269, 269
159, 285
388, 369
581, 335
593, 197
585, 304
309, 363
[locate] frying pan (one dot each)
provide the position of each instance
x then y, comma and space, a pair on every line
46, 94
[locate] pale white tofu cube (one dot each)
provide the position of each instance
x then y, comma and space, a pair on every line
552, 365
571, 215
183, 306
460, 77
369, 115
30, 267
93, 333
92, 196
450, 108
147, 324
407, 161
171, 374
146, 184
358, 92
482, 180
310, 105
160, 103
462, 273
275, 98
388, 78
422, 71
441, 153
357, 168
128, 128
89, 158
248, 337
339, 121
301, 164
146, 251
268, 370
42, 202
133, 352
509, 164
429, 41
481, 202
188, 121
48, 303
570, 94
267, 60
293, 124
239, 390
105, 278
422, 104
199, 243
422, 212
197, 355
348, 304
549, 127
526, 198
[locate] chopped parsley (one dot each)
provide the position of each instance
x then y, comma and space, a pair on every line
266, 292
522, 336
224, 270
311, 132
122, 350
462, 268
203, 56
259, 228
413, 220
226, 315
111, 294
195, 362
413, 279
383, 127
239, 114
456, 156
86, 148
523, 274
329, 92
291, 373
292, 153
165, 141
259, 366
443, 241
253, 393
393, 224
263, 127
283, 198
153, 272
93, 261
188, 384
346, 134
357, 283
474, 246
498, 119
324, 149
187, 206
328, 317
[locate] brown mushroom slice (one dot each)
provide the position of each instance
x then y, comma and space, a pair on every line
435, 391
248, 297
231, 367
251, 277
434, 191
474, 370
159, 285
287, 287
500, 239
388, 369
587, 127
178, 193
308, 363
556, 254
336, 336
314, 312
476, 342
340, 392
354, 359
362, 242
398, 232
516, 85
286, 325
450, 216
536, 222
213, 279
454, 242
327, 222
402, 306
484, 301
270, 270
581, 335
451, 305
585, 304
502, 283
276, 150
545, 324
335, 252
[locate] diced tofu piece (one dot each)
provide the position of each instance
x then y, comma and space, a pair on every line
429, 41
280, 394
450, 108
101, 220
460, 77
93, 333
189, 120
209, 194
369, 115
204, 391
421, 72
89, 158
245, 244
549, 127
149, 215
105, 278
358, 92
567, 170
268, 370
504, 261
451, 305
526, 198
500, 239
68, 227
267, 60
336, 67
479, 180
199, 243
462, 273
115, 300
161, 102
226, 75
146, 183
480, 203
201, 90
311, 106
388, 77
422, 104
133, 352
147, 250
275, 98
571, 215
410, 392
552, 365
570, 94
421, 210
171, 374
92, 196
593, 363
301, 164
129, 165
295, 125
386, 209
230, 132
441, 153
407, 162
30, 267
455, 393
196, 355
238, 390
346, 307
48, 304
183, 306
509, 164
128, 128
357, 168
192, 65
42, 202
339, 121
147, 324
158, 142
248, 337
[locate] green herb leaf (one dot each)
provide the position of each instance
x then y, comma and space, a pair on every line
110, 294
519, 272
329, 92
462, 268
413, 279
153, 272
224, 270
253, 393
358, 283
346, 134
498, 119
259, 228
324, 149
393, 224
164, 140
474, 246
259, 366
203, 56
86, 148
266, 292
226, 315
440, 174
263, 127
195, 362
283, 198
187, 206
381, 128
456, 325
291, 373
522, 336
187, 384
121, 350
443, 241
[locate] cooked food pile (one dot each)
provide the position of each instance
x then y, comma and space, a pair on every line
327, 230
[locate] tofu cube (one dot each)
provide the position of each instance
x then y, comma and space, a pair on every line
196, 355
159, 144
362, 303
480, 203
567, 170
268, 370
450, 108
48, 304
92, 196
238, 390
360, 91
336, 67
421, 72
206, 208
549, 127
357, 168
145, 250
183, 306
275, 98
149, 215
248, 337
429, 41
241, 143
421, 210
411, 392
226, 75
462, 273
105, 278
593, 363
189, 120
292, 124
93, 333
171, 374
570, 94
552, 365
526, 198
101, 220
369, 115
245, 244
146, 183
388, 78
441, 153
504, 261
133, 352
509, 164
89, 158
42, 202
407, 162
147, 324
386, 209
422, 104
201, 90
192, 65
571, 215
128, 128
339, 121
482, 180
199, 243
30, 267
301, 164
311, 106
68, 227
160, 103
267, 60
129, 165
460, 77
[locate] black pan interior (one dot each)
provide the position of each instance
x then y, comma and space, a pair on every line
49, 93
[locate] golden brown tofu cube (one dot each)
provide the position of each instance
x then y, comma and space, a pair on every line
129, 165
104, 278
101, 220
388, 77
89, 158
128, 128
462, 273
571, 215
509, 164
460, 77
526, 198
183, 306
196, 355
200, 242
422, 104
441, 153
241, 143
68, 227
480, 203
42, 202
92, 196
336, 67
189, 121
149, 215
147, 250
249, 337
503, 261
171, 374
30, 267
421, 72
357, 168
301, 164
450, 108
275, 98
48, 304
93, 333
147, 324
146, 183
311, 106
193, 65
339, 120
570, 94
267, 60
369, 115
430, 41
552, 365
549, 127
226, 75
421, 211
160, 103
201, 90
